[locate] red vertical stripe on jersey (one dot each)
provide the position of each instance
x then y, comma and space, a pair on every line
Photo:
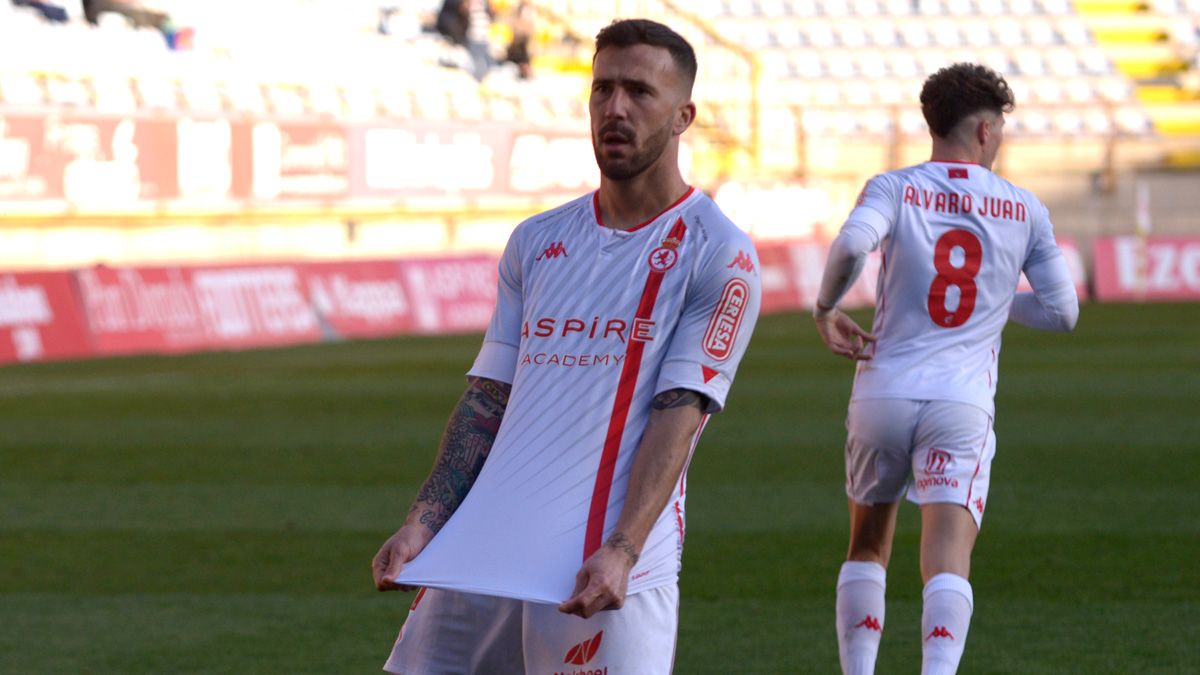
620, 414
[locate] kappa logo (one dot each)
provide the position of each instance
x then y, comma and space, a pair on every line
979, 504
726, 319
584, 651
936, 462
553, 251
742, 262
939, 632
870, 623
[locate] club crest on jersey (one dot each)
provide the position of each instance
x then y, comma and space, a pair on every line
726, 319
665, 256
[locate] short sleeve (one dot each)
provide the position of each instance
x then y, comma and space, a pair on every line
876, 206
719, 314
497, 359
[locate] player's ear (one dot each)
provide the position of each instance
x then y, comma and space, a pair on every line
983, 130
684, 116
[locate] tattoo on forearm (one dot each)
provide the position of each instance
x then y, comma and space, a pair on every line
621, 542
679, 398
465, 445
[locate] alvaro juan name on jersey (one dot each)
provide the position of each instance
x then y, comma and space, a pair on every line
954, 239
590, 324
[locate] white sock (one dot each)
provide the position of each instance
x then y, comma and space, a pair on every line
860, 592
944, 623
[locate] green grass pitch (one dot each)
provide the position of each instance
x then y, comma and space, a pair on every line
217, 513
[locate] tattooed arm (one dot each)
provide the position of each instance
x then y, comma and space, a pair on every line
465, 445
602, 581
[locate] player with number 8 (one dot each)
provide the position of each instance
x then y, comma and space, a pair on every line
954, 238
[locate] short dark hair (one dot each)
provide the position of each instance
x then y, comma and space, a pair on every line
955, 92
630, 32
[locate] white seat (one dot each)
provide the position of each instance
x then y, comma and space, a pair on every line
820, 34
851, 34
977, 32
883, 34
1074, 32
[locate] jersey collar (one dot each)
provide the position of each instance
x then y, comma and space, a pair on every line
600, 220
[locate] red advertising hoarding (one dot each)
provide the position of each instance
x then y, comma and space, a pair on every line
92, 161
175, 309
1155, 268
40, 318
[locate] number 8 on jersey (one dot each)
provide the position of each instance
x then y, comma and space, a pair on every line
961, 277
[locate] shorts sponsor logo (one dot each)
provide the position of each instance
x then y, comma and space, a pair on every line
584, 651
727, 317
937, 461
553, 251
978, 503
936, 481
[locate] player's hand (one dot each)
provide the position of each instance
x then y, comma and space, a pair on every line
844, 337
600, 583
400, 548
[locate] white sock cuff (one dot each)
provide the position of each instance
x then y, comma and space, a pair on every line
949, 582
854, 570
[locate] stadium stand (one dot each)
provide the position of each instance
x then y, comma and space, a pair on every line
787, 88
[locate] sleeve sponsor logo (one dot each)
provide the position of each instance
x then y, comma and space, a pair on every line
727, 317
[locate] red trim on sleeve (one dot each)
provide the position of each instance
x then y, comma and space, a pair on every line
683, 477
616, 425
600, 220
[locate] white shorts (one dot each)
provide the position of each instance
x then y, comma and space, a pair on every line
455, 633
940, 451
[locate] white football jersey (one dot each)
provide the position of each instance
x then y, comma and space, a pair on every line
590, 324
954, 239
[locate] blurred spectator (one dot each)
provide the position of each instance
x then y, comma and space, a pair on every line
479, 25
140, 17
452, 21
466, 23
521, 22
49, 12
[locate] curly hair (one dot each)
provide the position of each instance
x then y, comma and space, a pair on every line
630, 32
955, 92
